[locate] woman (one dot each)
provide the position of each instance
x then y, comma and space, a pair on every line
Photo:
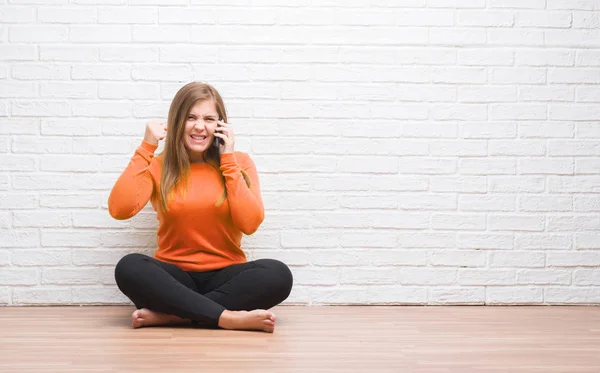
205, 195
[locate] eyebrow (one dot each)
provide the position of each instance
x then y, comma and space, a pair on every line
207, 115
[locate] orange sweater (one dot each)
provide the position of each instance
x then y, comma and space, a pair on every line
194, 234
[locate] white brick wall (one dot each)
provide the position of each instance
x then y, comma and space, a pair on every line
410, 151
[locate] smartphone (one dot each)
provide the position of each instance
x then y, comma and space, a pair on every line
218, 141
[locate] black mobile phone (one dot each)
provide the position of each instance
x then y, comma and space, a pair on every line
218, 141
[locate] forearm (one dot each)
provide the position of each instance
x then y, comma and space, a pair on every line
134, 187
243, 193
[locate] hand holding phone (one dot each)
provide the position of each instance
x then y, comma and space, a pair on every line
218, 141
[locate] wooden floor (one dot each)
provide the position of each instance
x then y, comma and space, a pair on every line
308, 339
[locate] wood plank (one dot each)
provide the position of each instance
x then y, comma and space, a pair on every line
308, 339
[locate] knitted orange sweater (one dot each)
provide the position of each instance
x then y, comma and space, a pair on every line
194, 234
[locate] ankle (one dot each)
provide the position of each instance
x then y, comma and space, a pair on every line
226, 319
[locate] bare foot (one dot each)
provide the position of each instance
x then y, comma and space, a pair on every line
248, 320
146, 317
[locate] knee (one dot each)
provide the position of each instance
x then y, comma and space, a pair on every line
280, 276
127, 267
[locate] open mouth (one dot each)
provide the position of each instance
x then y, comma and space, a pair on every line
198, 139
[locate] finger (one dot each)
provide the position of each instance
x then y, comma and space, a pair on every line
223, 133
221, 136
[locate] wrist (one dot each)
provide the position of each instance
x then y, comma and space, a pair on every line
151, 141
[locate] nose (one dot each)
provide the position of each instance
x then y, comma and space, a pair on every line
199, 124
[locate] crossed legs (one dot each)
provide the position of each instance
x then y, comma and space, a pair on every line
235, 297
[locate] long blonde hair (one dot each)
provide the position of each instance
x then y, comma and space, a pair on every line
175, 159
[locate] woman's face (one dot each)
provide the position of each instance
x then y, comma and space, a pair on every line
200, 126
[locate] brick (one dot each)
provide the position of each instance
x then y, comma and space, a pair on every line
486, 203
571, 295
511, 37
41, 257
18, 52
458, 222
586, 277
426, 240
516, 147
485, 18
573, 147
543, 19
100, 72
463, 184
457, 258
388, 294
486, 276
487, 94
41, 219
586, 203
587, 94
551, 57
98, 295
545, 203
574, 184
517, 295
70, 276
38, 34
585, 130
66, 15
573, 259
69, 238
47, 108
427, 276
41, 296
517, 259
556, 166
572, 38
552, 93
516, 223
585, 241
368, 276
71, 53
128, 15
68, 90
520, 4
100, 34
4, 295
457, 295
427, 202
518, 112
544, 276
414, 165
486, 166
18, 276
543, 241
485, 241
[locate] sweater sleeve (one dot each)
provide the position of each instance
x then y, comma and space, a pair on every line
133, 189
243, 191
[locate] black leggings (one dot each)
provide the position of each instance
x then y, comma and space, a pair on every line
202, 296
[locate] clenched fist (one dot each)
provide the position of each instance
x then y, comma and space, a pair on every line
156, 130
